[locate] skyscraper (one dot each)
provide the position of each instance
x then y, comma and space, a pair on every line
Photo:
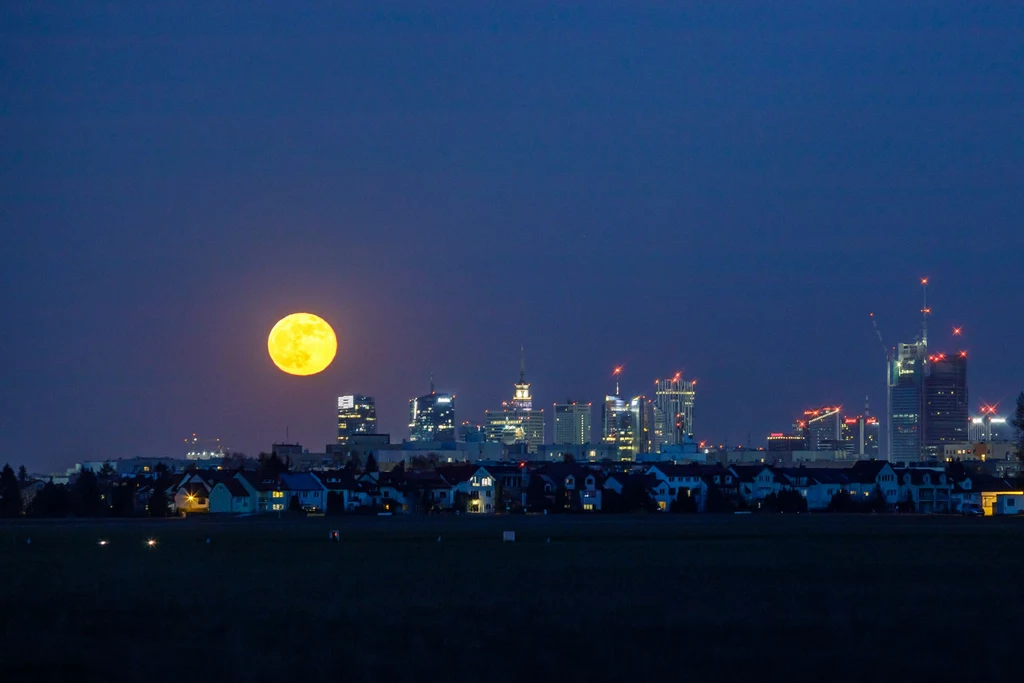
906, 383
517, 421
615, 420
989, 427
945, 412
572, 423
357, 414
675, 398
823, 429
641, 414
432, 417
860, 436
661, 429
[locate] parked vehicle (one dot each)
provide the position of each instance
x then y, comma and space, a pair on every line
972, 510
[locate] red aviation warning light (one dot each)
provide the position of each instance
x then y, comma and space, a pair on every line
957, 331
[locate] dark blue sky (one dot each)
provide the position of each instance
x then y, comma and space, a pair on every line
723, 188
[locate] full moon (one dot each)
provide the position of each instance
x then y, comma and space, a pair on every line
302, 344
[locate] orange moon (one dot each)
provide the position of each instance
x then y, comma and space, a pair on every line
302, 344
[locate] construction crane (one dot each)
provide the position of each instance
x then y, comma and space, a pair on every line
885, 349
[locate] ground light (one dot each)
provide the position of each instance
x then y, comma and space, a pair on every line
104, 542
151, 543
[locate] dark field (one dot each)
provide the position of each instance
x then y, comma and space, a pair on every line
825, 598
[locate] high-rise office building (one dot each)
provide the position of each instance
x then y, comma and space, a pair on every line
472, 433
641, 417
675, 397
989, 427
822, 429
907, 366
778, 441
432, 417
572, 423
357, 414
860, 436
517, 421
616, 426
661, 429
613, 423
944, 410
617, 422
906, 385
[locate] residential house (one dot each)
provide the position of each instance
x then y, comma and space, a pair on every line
868, 476
628, 492
309, 490
675, 481
192, 496
165, 483
541, 492
391, 490
379, 491
929, 489
339, 486
271, 494
755, 482
472, 484
816, 484
510, 479
725, 480
995, 496
231, 496
426, 491
578, 488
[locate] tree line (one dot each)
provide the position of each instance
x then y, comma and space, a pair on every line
90, 495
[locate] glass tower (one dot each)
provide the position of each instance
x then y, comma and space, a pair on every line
432, 417
572, 423
906, 384
357, 414
946, 418
674, 397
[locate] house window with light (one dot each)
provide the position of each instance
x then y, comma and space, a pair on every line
278, 494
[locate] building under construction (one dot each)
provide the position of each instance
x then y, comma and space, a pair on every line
927, 396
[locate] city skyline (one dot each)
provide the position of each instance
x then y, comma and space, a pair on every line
530, 296
674, 188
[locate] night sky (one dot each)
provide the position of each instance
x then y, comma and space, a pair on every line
726, 189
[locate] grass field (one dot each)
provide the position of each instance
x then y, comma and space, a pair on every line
660, 597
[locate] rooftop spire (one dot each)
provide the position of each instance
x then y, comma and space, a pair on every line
522, 365
431, 382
